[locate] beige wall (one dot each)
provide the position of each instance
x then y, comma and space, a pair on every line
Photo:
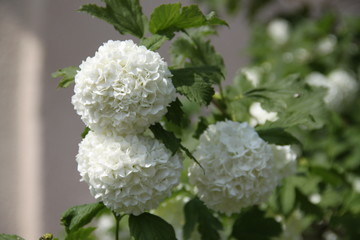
39, 130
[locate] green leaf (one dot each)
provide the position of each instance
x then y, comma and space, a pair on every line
195, 83
169, 18
163, 17
175, 113
154, 42
195, 51
252, 224
306, 206
85, 132
295, 103
196, 212
167, 138
67, 75
287, 197
191, 16
189, 154
277, 136
81, 234
331, 176
212, 19
348, 222
147, 226
125, 15
201, 127
78, 216
10, 237
352, 203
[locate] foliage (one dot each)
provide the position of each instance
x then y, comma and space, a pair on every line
67, 74
10, 237
197, 213
78, 216
252, 224
147, 226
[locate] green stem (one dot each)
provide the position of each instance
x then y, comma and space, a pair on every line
117, 226
222, 92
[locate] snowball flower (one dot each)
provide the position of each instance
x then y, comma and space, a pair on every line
278, 30
239, 167
260, 115
252, 74
123, 89
327, 44
128, 174
285, 160
341, 88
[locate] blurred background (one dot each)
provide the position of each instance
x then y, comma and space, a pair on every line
39, 130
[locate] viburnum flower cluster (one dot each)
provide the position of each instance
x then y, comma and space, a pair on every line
260, 116
285, 160
239, 167
119, 93
340, 85
279, 31
123, 89
128, 174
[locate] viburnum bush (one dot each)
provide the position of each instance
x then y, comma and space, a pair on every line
178, 151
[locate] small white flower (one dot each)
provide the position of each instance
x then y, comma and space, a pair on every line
123, 89
239, 167
315, 198
253, 75
341, 88
317, 79
288, 57
302, 54
260, 115
329, 235
279, 31
285, 160
128, 174
356, 185
327, 44
105, 224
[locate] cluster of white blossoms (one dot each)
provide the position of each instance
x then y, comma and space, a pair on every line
327, 44
260, 116
128, 174
341, 88
239, 166
279, 31
285, 160
119, 93
123, 89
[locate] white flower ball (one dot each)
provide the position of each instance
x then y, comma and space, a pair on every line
260, 116
327, 44
123, 89
253, 75
128, 174
239, 167
279, 31
285, 160
341, 88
